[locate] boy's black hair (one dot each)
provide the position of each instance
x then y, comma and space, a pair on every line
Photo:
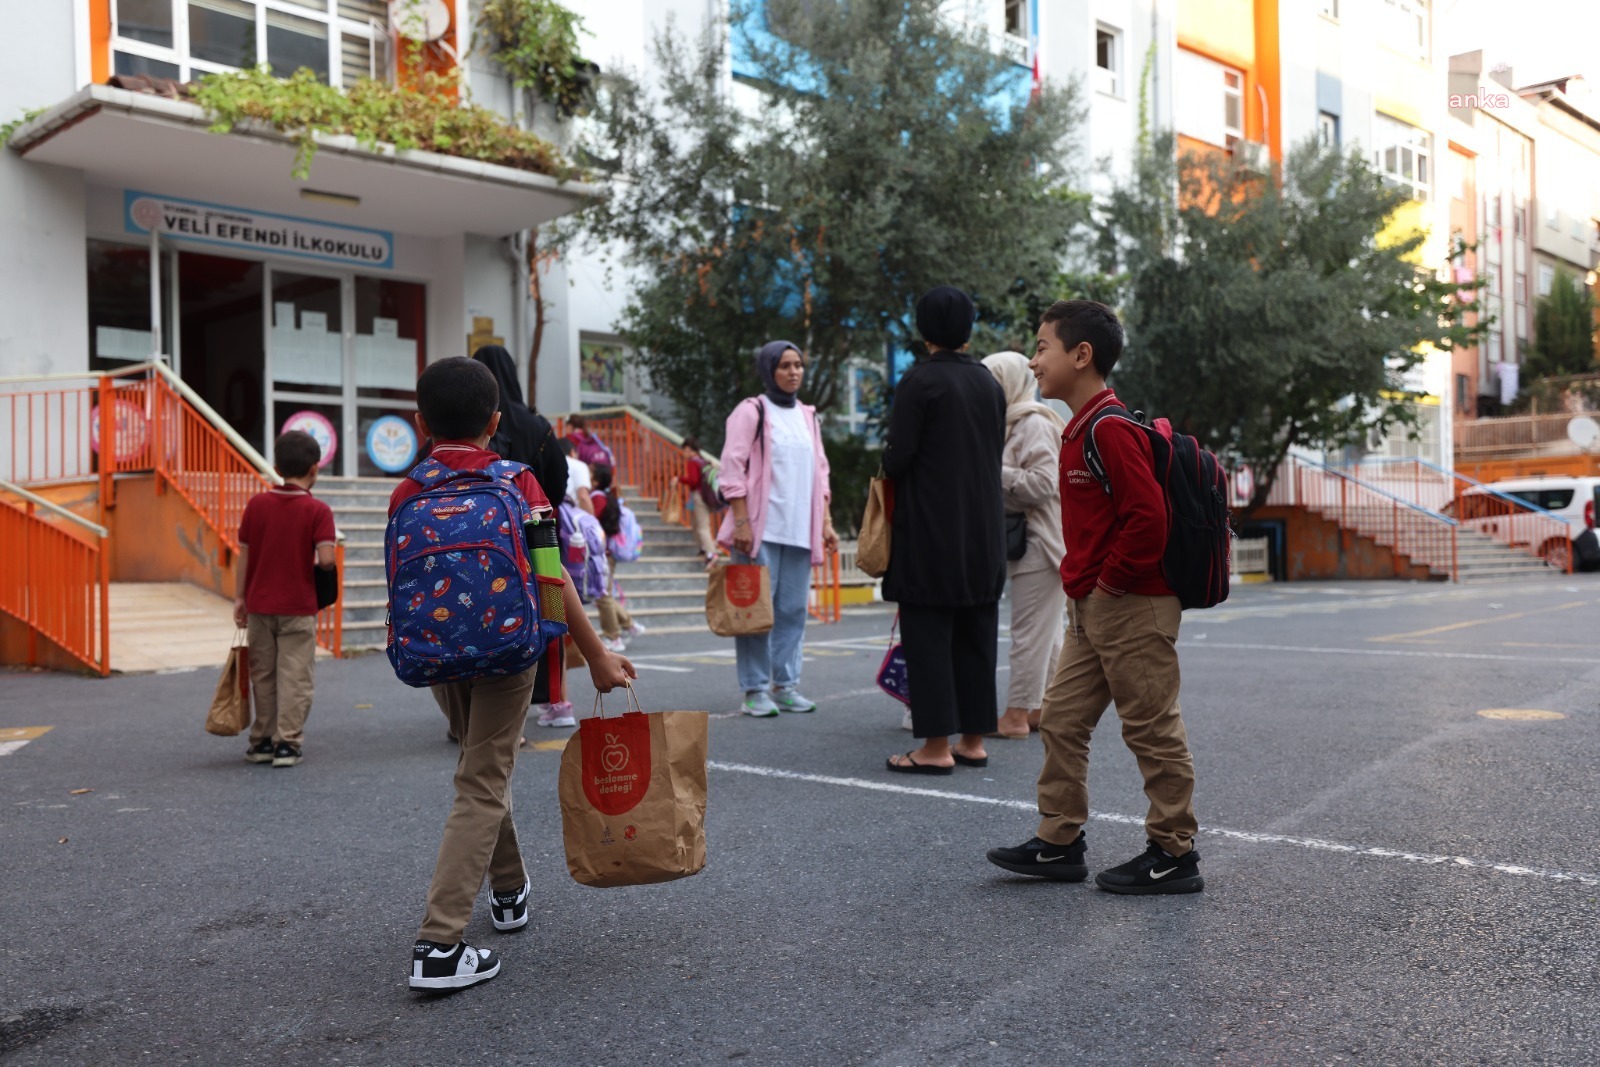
457, 397
295, 453
1077, 321
692, 443
602, 475
567, 447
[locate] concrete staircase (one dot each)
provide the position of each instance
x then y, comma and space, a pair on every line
1481, 558
665, 587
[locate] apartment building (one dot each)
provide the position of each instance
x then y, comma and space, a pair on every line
1489, 175
1566, 227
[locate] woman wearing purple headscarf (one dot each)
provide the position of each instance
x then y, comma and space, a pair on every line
774, 475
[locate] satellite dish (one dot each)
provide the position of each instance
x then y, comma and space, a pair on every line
1584, 432
420, 20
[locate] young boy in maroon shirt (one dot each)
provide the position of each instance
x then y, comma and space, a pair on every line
280, 533
458, 406
1123, 626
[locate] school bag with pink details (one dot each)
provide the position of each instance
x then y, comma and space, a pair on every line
583, 552
464, 601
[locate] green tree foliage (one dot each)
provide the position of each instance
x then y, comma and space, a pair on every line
1268, 312
883, 152
1563, 330
536, 43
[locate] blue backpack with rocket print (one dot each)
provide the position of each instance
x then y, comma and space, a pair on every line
461, 582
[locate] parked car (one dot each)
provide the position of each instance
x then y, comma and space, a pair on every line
1500, 510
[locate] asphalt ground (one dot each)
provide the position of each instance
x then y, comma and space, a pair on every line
1391, 876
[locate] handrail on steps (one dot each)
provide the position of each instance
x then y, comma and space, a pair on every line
1369, 487
56, 509
1473, 482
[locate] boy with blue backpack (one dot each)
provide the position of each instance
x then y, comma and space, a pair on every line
473, 614
1146, 529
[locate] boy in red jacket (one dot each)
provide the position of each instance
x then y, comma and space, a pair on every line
1122, 624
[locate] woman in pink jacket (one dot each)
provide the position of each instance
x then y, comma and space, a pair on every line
774, 475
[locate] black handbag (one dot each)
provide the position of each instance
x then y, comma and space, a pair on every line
1016, 535
327, 583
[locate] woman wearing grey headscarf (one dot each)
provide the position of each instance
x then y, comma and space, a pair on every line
774, 475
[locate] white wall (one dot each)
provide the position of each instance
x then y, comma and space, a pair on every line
44, 324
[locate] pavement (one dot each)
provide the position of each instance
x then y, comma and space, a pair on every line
1393, 876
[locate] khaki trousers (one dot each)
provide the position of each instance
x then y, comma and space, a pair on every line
614, 618
1038, 604
479, 837
700, 518
282, 648
1118, 649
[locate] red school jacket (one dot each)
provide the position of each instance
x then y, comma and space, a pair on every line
1115, 540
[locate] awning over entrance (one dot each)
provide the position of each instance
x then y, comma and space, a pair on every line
135, 140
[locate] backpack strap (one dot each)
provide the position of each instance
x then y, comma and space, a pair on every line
1091, 449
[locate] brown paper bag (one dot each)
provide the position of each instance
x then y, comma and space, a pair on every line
633, 797
671, 505
872, 545
739, 600
230, 707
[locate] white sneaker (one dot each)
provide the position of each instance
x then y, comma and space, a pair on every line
612, 644
759, 705
557, 716
905, 721
638, 629
791, 700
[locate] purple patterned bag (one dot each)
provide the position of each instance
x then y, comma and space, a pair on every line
892, 674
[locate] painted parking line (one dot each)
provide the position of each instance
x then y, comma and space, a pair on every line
1414, 635
663, 667
14, 737
1249, 837
1318, 650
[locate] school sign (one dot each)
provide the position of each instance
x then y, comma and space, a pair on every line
232, 227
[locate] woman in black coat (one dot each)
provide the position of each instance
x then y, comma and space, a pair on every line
947, 560
524, 436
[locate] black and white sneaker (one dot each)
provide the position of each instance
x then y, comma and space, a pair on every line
261, 751
510, 910
1038, 857
436, 966
285, 755
1154, 871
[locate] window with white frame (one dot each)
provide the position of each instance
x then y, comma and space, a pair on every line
1017, 21
341, 41
1405, 26
1210, 100
1547, 279
1327, 130
1403, 155
1494, 279
1108, 60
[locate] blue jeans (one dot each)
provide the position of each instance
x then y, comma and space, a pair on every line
774, 657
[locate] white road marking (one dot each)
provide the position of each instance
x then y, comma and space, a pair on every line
1313, 843
1404, 653
8, 747
663, 667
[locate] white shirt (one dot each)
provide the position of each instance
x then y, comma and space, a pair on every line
794, 466
577, 478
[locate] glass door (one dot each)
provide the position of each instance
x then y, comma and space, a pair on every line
306, 358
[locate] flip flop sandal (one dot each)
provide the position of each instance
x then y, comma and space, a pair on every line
911, 766
1011, 737
970, 761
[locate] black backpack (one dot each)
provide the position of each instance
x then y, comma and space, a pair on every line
1199, 536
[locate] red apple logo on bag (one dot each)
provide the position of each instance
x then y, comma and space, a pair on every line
630, 832
614, 756
743, 585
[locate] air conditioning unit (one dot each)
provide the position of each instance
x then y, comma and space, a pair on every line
1252, 157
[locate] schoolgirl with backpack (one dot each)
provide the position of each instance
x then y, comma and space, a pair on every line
624, 543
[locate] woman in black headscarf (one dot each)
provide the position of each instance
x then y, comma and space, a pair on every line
947, 559
525, 436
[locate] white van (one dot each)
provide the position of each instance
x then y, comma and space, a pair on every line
1570, 499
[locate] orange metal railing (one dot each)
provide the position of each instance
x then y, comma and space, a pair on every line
1426, 537
58, 429
58, 580
650, 458
1478, 507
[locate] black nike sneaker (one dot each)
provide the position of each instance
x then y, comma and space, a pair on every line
1061, 863
510, 910
1154, 871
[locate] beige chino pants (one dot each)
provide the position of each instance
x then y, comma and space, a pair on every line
1120, 649
282, 648
479, 837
